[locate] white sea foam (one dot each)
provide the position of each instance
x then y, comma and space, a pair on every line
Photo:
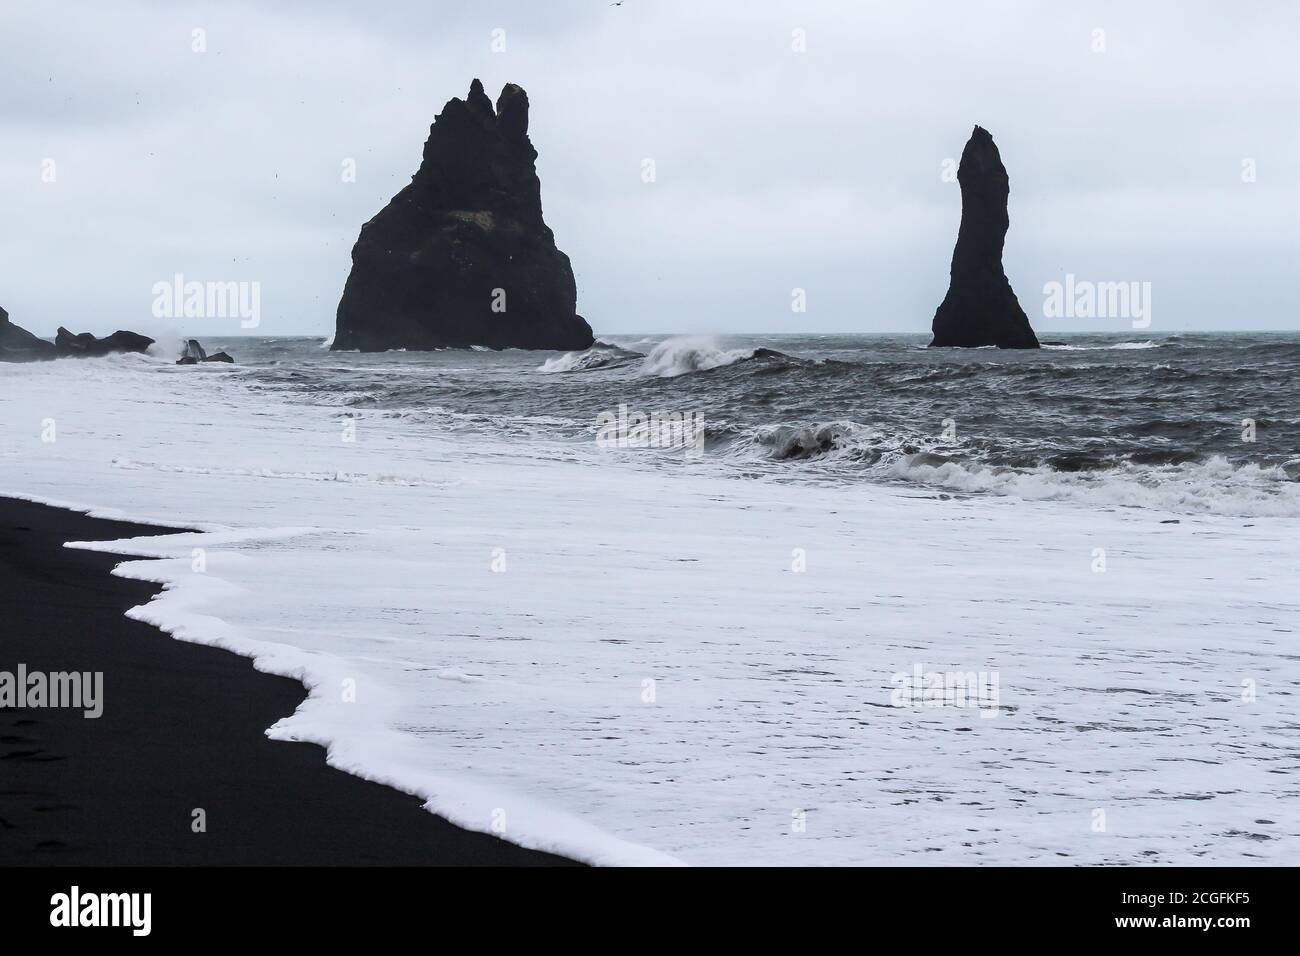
1215, 486
645, 678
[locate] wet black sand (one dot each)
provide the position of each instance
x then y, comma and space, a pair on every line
183, 728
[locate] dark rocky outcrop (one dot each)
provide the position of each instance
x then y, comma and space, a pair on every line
194, 354
87, 345
980, 307
427, 269
19, 345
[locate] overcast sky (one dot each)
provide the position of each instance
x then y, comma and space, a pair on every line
776, 169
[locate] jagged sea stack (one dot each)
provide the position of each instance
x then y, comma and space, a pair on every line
461, 256
980, 307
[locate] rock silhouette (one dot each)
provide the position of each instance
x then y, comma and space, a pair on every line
87, 345
980, 307
19, 345
461, 256
194, 353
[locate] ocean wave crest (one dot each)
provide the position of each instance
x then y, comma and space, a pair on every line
1163, 479
600, 355
685, 354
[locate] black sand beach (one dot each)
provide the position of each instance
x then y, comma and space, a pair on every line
182, 728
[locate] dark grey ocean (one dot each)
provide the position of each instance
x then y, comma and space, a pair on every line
1195, 422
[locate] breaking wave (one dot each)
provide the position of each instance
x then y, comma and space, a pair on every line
679, 356
1167, 480
600, 355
